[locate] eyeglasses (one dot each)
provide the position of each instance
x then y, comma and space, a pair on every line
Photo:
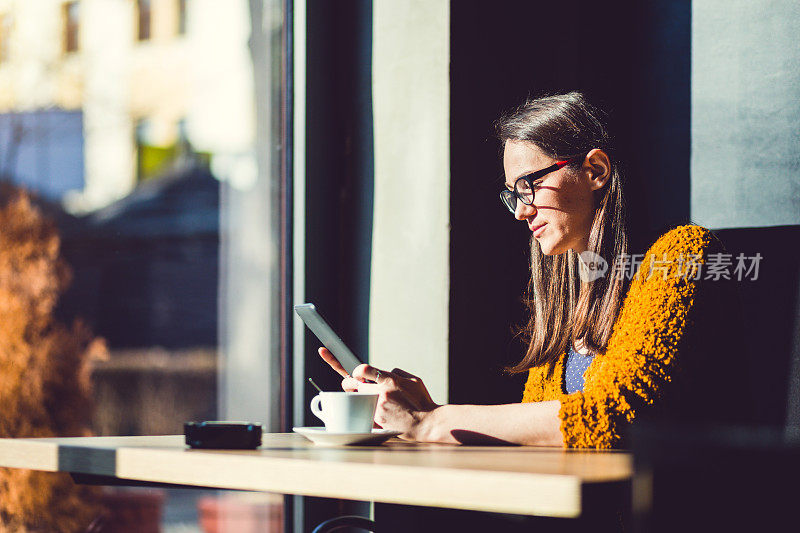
524, 187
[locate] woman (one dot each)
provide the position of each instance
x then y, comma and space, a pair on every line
594, 361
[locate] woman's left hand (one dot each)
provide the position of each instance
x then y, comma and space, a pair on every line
403, 399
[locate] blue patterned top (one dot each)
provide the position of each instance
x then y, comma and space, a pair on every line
574, 369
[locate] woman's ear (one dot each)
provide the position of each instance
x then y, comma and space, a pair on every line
598, 167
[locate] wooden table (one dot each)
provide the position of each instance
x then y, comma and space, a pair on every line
504, 479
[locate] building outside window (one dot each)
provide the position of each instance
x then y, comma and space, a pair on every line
71, 25
6, 26
144, 12
162, 163
181, 17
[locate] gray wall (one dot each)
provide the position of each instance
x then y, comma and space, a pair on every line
745, 162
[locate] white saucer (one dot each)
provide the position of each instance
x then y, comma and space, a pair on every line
319, 435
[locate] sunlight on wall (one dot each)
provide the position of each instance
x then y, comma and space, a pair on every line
410, 248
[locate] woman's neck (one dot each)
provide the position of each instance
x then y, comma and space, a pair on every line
582, 245
580, 347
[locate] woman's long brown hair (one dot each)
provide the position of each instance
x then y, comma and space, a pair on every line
562, 307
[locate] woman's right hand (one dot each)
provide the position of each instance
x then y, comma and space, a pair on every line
334, 363
349, 384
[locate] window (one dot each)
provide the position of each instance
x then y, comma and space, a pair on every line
181, 17
71, 22
145, 14
177, 270
6, 23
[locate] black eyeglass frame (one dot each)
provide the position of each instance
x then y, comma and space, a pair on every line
530, 178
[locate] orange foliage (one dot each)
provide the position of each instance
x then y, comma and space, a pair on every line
44, 373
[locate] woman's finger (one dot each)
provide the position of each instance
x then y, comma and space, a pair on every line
403, 374
372, 388
350, 384
329, 358
371, 373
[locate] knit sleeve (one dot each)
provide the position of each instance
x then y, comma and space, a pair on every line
642, 354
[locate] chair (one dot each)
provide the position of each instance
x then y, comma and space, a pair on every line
345, 521
714, 479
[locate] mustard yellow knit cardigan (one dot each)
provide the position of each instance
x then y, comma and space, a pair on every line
645, 349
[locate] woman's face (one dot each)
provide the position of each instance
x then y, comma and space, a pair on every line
563, 206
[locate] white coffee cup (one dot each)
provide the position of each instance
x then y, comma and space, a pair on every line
345, 412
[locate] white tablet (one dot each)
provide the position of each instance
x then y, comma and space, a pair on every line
327, 336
